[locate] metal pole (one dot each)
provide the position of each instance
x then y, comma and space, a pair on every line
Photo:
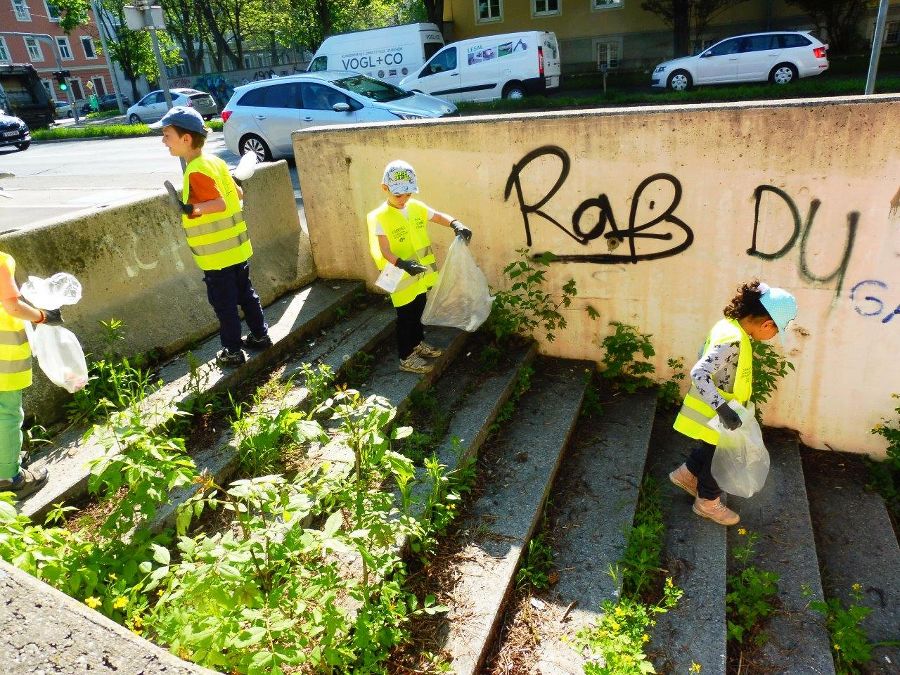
163, 76
112, 71
877, 39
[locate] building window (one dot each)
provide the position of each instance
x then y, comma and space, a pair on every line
22, 13
49, 87
77, 92
545, 7
892, 33
607, 4
4, 51
609, 53
65, 51
488, 11
52, 11
87, 44
99, 86
35, 53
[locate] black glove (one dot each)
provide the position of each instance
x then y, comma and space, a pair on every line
412, 267
729, 419
52, 317
175, 199
461, 231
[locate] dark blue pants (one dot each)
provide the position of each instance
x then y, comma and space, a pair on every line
409, 325
699, 463
230, 288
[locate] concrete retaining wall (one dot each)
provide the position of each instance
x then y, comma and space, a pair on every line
134, 265
658, 213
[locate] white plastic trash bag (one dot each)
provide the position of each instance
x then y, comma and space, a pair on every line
60, 289
59, 355
741, 462
460, 298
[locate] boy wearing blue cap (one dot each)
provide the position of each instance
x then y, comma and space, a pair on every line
210, 208
725, 372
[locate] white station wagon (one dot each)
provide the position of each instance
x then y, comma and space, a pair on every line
778, 57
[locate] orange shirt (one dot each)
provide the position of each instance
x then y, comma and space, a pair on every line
8, 286
201, 188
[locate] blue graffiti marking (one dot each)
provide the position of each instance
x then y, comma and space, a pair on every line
877, 306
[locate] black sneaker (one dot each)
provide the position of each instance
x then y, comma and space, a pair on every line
256, 343
226, 358
25, 483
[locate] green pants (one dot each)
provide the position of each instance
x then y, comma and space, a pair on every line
11, 418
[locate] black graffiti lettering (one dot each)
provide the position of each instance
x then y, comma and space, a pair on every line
841, 270
514, 180
795, 215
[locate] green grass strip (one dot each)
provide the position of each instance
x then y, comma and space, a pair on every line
104, 131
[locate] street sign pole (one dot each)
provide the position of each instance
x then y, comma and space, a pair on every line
877, 39
112, 70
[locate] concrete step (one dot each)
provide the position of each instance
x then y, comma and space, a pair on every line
796, 638
335, 348
503, 520
594, 502
856, 544
695, 550
290, 319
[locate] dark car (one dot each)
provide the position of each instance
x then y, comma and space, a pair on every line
13, 131
107, 102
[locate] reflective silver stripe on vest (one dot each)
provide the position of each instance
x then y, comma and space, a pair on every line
219, 246
424, 252
405, 283
695, 416
13, 337
214, 226
17, 366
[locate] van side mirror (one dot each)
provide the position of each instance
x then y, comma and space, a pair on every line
341, 107
706, 54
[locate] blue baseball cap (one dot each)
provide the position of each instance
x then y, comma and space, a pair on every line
781, 305
181, 116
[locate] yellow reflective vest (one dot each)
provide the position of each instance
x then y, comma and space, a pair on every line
408, 239
217, 240
695, 412
15, 352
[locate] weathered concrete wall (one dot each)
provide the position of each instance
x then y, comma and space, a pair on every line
134, 265
658, 213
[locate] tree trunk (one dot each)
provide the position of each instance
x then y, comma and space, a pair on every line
435, 12
681, 27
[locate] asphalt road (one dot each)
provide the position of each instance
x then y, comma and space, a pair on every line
52, 180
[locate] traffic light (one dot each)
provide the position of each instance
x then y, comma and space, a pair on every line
61, 76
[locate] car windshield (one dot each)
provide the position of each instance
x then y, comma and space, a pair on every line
379, 91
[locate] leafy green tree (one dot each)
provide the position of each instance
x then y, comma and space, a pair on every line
689, 19
838, 19
72, 13
186, 26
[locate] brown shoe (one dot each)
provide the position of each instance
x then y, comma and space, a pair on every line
415, 364
683, 478
426, 350
25, 483
716, 511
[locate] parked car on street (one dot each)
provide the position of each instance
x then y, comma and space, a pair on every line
63, 109
106, 102
779, 57
13, 131
153, 106
261, 116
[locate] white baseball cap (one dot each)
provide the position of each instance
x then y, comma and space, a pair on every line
400, 178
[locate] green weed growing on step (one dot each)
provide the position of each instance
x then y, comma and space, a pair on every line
849, 645
641, 562
508, 409
526, 307
751, 593
622, 351
670, 391
591, 406
358, 368
768, 367
885, 475
445, 495
535, 571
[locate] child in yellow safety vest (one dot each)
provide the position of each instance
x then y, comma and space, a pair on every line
15, 375
725, 372
210, 208
398, 235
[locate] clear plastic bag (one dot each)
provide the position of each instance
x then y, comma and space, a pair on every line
460, 298
60, 289
741, 462
59, 355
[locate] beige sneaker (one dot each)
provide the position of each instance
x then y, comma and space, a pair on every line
716, 511
426, 350
683, 478
415, 364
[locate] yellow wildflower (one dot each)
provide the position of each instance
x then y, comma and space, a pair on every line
136, 631
837, 647
120, 602
137, 622
696, 667
112, 577
645, 638
857, 587
92, 602
669, 582
742, 531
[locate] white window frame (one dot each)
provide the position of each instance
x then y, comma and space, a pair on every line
617, 42
539, 14
99, 78
89, 40
5, 56
35, 53
48, 85
21, 11
50, 17
493, 19
62, 41
895, 27
73, 83
603, 5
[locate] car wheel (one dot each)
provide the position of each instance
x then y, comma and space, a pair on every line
514, 91
23, 146
257, 146
680, 80
70, 114
783, 73
134, 119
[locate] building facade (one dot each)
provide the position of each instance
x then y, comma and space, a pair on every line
22, 22
619, 33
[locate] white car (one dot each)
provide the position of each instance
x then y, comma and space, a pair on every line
261, 116
779, 57
153, 106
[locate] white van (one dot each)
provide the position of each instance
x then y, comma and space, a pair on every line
388, 54
482, 69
